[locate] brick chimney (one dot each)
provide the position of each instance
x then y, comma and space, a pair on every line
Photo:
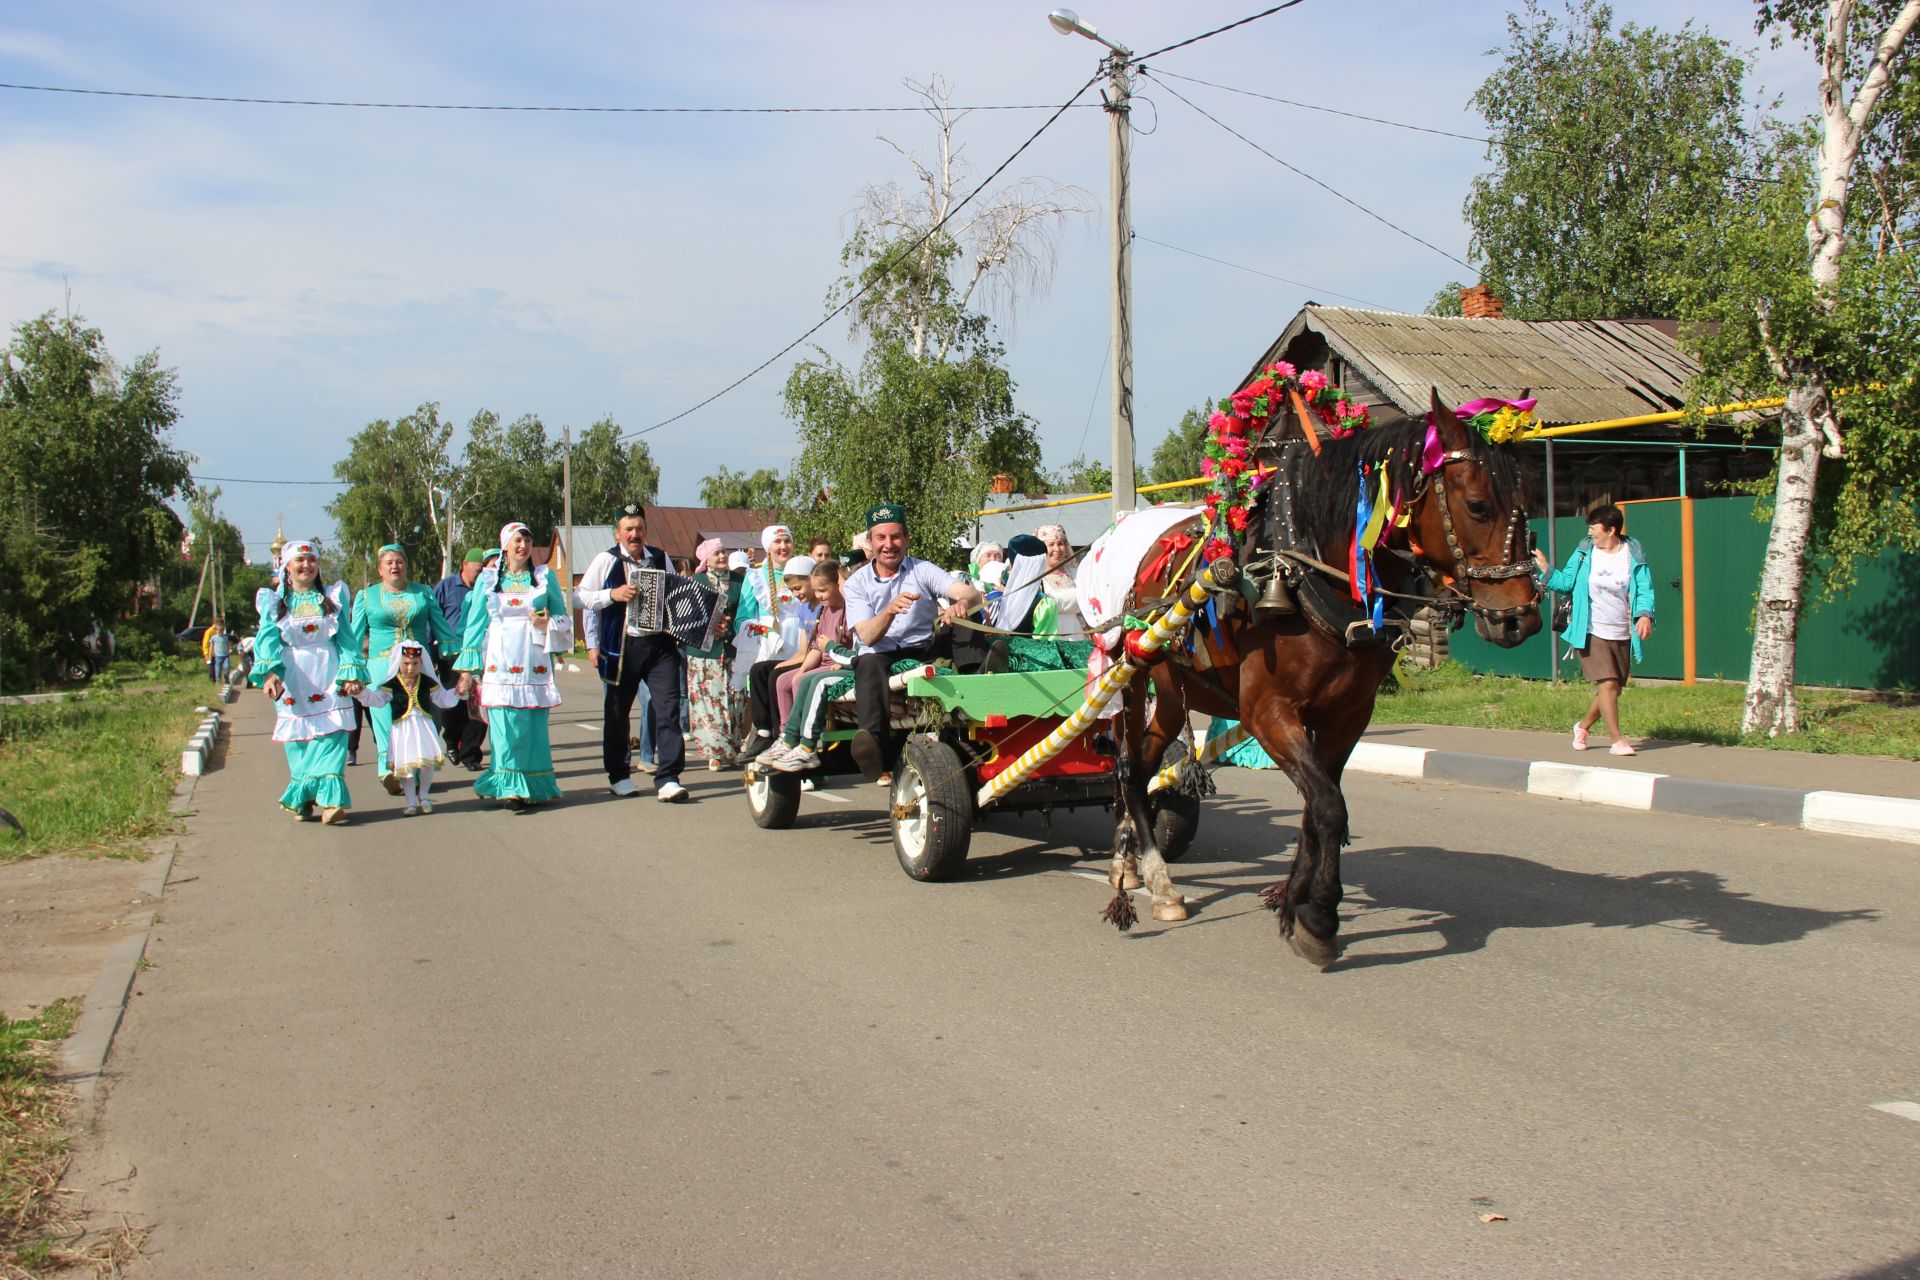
1477, 302
1002, 483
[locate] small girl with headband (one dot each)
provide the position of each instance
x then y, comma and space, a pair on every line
414, 747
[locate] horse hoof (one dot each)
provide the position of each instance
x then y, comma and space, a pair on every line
1318, 952
1170, 912
1126, 881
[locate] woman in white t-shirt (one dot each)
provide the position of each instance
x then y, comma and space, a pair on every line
1612, 590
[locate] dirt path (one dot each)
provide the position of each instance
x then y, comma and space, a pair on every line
58, 919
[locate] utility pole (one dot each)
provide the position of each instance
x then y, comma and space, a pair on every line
1119, 106
566, 484
1119, 101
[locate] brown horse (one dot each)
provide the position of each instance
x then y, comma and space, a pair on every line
1305, 695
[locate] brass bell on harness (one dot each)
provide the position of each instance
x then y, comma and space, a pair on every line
1278, 597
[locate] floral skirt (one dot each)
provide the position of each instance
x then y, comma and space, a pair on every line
717, 712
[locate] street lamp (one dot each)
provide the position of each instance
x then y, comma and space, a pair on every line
1119, 63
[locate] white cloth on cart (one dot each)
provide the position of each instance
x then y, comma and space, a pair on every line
1110, 566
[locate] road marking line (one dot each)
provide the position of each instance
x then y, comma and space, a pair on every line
1911, 1110
829, 796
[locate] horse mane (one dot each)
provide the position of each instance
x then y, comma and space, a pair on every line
1326, 485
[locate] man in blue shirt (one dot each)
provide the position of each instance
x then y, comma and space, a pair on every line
462, 734
892, 602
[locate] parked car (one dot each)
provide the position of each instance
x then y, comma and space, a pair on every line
95, 652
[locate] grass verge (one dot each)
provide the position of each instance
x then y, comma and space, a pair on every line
94, 775
39, 1234
1833, 721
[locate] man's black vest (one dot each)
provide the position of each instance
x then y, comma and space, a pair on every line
612, 637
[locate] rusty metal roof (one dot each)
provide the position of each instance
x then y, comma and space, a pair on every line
1581, 370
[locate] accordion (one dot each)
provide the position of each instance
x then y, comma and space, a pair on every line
668, 603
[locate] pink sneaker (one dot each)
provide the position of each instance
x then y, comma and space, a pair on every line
1579, 737
1622, 748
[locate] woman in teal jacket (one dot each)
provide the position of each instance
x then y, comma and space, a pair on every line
1611, 588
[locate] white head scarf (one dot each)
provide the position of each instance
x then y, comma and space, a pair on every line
768, 534
507, 530
426, 663
292, 549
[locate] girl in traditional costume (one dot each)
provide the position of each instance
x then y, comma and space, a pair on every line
414, 746
382, 614
517, 620
307, 658
759, 635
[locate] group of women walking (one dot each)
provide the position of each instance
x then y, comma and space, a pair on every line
316, 655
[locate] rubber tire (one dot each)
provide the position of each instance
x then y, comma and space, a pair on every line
773, 798
949, 809
1175, 810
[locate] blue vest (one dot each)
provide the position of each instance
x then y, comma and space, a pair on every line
612, 637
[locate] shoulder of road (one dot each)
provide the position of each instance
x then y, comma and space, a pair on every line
1873, 796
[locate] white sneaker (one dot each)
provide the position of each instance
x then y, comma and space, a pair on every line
409, 811
624, 787
795, 759
670, 791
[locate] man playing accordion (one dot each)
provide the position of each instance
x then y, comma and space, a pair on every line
629, 599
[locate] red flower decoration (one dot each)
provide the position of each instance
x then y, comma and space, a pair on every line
311, 627
289, 701
515, 670
491, 667
316, 697
1237, 519
539, 671
515, 601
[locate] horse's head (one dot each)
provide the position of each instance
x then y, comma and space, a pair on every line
1469, 526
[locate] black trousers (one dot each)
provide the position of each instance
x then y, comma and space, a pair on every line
871, 671
353, 737
656, 660
455, 720
761, 694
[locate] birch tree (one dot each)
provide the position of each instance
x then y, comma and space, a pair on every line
932, 283
1837, 313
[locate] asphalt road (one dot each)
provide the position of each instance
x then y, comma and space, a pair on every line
626, 1038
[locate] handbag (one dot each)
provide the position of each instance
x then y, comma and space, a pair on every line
1562, 612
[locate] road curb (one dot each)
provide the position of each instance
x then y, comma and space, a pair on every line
1833, 812
83, 1058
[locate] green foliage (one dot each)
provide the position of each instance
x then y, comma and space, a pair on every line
901, 429
756, 490
388, 472
1447, 301
86, 469
96, 774
1836, 721
513, 473
1618, 157
608, 474
1177, 456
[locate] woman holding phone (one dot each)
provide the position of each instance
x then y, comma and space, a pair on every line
520, 621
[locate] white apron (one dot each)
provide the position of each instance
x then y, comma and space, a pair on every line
309, 708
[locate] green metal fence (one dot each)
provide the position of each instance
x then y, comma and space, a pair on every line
1869, 639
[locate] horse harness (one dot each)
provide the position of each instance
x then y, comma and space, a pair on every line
1457, 601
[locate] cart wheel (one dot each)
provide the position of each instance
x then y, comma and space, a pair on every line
932, 810
773, 797
1175, 809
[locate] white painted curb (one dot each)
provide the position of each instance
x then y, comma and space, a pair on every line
1398, 762
1622, 788
1849, 814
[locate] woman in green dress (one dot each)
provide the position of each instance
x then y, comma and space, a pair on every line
518, 621
307, 658
391, 608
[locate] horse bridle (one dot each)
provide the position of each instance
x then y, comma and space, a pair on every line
1456, 600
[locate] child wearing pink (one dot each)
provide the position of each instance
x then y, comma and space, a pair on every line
830, 628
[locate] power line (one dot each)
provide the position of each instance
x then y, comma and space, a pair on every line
472, 106
1295, 169
1208, 35
861, 292
1335, 111
338, 484
1298, 284
1540, 147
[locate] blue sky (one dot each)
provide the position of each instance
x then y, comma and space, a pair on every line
309, 270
